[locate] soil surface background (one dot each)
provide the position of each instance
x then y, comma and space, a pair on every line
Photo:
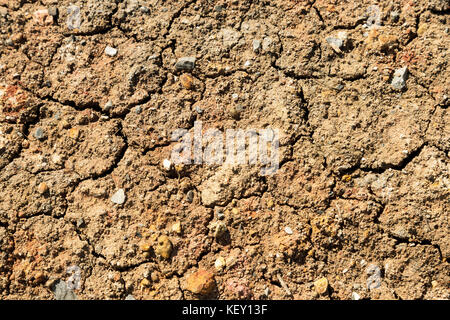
359, 91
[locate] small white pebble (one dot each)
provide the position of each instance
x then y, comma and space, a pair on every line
118, 197
288, 230
110, 51
355, 296
220, 263
167, 164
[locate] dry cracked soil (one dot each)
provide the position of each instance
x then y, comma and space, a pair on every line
91, 91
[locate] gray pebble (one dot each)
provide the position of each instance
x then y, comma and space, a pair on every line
62, 292
190, 196
108, 106
138, 110
130, 297
374, 279
220, 214
335, 42
39, 134
185, 63
80, 222
144, 9
399, 79
256, 45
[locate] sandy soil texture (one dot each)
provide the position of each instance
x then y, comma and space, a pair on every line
92, 90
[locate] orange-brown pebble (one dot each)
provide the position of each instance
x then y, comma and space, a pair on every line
42, 188
187, 81
201, 282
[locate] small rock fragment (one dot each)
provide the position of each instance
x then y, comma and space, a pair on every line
267, 42
74, 133
43, 188
108, 106
185, 63
80, 222
138, 110
422, 29
130, 297
190, 196
374, 279
118, 197
164, 247
337, 42
220, 264
62, 292
256, 45
110, 51
144, 9
176, 227
201, 282
39, 134
167, 164
355, 296
288, 230
187, 81
219, 229
321, 285
399, 80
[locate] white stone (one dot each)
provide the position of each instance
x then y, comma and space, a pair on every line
118, 197
167, 165
355, 296
220, 264
110, 51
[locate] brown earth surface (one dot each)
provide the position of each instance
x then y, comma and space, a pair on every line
357, 210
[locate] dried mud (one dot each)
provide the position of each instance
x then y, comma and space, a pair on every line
363, 182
